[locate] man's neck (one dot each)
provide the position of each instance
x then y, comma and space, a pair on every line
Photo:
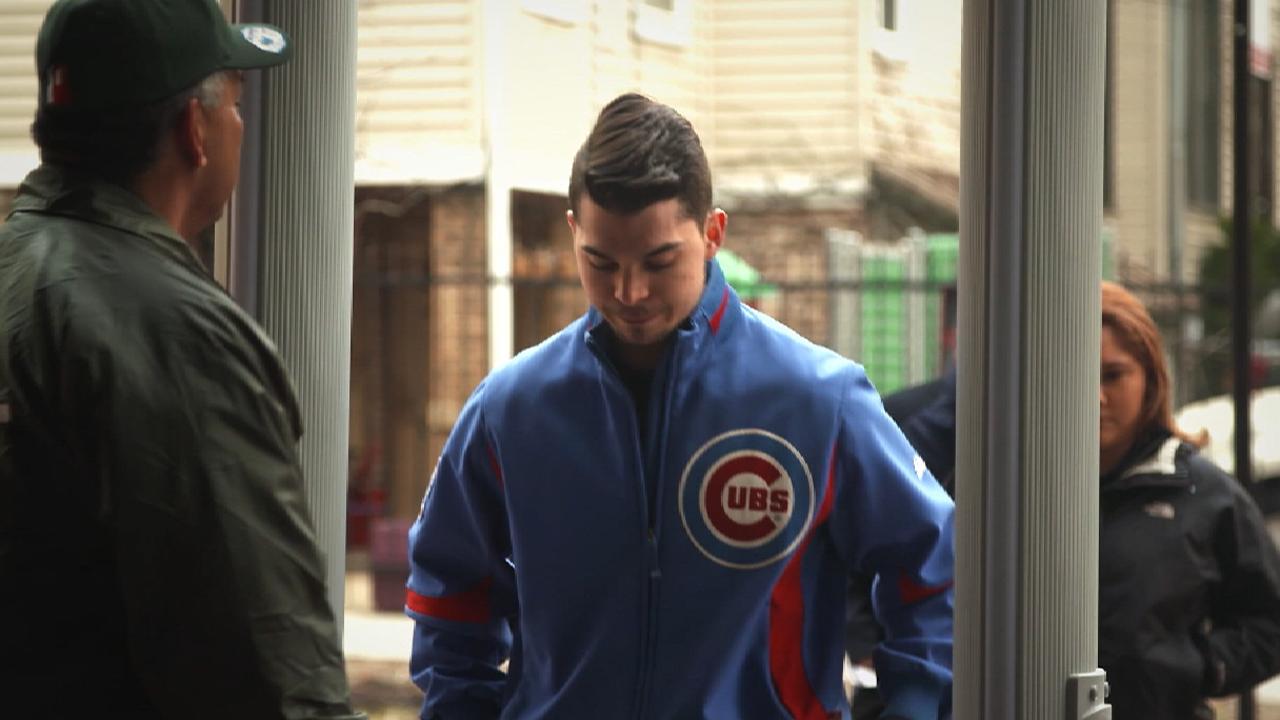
641, 358
167, 196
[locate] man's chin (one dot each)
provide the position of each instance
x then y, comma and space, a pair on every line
638, 335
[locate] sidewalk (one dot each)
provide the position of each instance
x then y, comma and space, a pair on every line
377, 646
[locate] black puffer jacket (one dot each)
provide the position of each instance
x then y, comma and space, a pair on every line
1189, 591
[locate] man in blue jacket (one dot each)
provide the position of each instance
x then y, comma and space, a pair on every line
653, 513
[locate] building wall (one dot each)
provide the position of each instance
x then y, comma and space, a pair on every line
547, 294
419, 331
912, 93
1141, 137
418, 91
1143, 165
789, 246
459, 308
19, 21
391, 327
554, 75
787, 98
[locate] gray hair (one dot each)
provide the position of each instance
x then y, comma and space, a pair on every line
208, 91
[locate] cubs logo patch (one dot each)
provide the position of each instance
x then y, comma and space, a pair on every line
746, 498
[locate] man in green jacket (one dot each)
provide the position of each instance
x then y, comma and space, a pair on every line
156, 554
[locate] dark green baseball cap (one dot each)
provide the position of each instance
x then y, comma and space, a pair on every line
110, 54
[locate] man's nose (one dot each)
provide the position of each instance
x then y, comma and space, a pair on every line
632, 287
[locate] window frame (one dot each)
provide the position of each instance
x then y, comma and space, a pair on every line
568, 12
672, 28
889, 43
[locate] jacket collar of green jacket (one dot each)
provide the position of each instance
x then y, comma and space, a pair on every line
52, 190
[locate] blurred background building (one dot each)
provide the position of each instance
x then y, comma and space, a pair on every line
833, 130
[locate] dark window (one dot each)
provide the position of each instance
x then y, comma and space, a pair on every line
1204, 103
1262, 146
888, 10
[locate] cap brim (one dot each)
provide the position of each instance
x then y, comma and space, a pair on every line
254, 45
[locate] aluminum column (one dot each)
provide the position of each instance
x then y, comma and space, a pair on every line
1242, 219
498, 181
1027, 451
292, 266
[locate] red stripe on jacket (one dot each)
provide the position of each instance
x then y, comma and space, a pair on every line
719, 314
494, 465
469, 606
912, 592
786, 625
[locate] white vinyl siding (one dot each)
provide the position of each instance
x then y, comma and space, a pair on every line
786, 102
19, 22
417, 91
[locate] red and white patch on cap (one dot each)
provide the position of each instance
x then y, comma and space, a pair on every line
57, 92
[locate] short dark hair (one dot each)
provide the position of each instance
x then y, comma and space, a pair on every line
115, 145
638, 153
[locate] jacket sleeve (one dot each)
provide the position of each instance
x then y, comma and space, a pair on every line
461, 584
222, 583
893, 521
932, 431
1244, 633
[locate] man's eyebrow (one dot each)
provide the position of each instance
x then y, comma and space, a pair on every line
662, 248
666, 247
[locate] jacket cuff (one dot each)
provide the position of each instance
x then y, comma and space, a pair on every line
1215, 673
1214, 678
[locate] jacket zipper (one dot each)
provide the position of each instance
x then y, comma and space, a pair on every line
651, 572
657, 450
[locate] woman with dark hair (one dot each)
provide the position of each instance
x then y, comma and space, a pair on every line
1189, 580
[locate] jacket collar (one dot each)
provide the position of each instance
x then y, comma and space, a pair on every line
1166, 467
716, 299
52, 190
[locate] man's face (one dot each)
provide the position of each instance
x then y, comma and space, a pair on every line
644, 272
223, 133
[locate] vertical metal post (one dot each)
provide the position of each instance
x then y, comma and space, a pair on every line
298, 207
1176, 187
1030, 266
1242, 221
244, 246
498, 182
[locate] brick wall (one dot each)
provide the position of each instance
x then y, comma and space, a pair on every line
459, 309
419, 331
788, 245
547, 294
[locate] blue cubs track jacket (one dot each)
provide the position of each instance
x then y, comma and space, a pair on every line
777, 472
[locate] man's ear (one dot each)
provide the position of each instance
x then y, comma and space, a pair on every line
714, 230
190, 134
573, 225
